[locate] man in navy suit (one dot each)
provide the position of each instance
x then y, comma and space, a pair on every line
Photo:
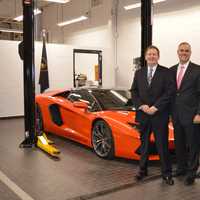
151, 91
186, 113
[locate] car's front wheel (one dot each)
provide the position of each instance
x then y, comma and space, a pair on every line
102, 140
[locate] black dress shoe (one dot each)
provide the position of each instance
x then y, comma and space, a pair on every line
189, 180
168, 180
140, 175
177, 173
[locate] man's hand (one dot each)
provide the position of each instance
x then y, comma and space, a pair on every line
152, 110
144, 108
196, 119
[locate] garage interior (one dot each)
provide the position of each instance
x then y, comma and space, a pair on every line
31, 174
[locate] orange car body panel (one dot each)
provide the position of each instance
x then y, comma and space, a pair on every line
78, 123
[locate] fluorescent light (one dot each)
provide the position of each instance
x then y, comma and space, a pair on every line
132, 6
20, 18
158, 1
137, 5
10, 30
59, 1
81, 18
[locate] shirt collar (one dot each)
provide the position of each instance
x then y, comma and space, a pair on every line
154, 67
185, 65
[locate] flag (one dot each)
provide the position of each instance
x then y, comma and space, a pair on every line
44, 75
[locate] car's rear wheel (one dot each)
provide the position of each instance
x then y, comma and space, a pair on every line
38, 120
102, 140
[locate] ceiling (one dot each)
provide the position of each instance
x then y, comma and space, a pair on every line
10, 9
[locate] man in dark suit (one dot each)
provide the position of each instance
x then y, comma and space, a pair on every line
151, 91
186, 113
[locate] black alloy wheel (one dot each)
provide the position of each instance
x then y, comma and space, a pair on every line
102, 140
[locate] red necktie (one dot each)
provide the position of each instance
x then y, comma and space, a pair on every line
180, 77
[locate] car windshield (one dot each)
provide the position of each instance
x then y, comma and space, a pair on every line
113, 99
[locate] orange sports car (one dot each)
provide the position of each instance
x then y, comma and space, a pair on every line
103, 119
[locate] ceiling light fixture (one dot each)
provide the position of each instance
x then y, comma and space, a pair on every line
10, 30
59, 1
137, 5
20, 18
81, 18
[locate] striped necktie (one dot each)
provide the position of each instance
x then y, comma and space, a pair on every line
150, 75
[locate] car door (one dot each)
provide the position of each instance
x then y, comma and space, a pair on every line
79, 120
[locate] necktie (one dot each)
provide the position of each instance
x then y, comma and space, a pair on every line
180, 77
150, 75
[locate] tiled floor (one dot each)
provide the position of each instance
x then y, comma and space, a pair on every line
79, 174
156, 190
6, 193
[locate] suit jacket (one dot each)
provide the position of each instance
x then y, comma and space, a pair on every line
159, 94
186, 101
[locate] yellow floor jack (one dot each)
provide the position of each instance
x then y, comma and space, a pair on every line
46, 145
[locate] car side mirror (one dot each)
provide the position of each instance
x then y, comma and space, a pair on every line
80, 104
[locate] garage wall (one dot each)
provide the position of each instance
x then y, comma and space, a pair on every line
95, 33
60, 62
11, 81
171, 28
60, 67
174, 21
129, 47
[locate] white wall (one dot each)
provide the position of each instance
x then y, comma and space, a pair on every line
60, 66
11, 80
173, 27
129, 47
85, 64
94, 33
174, 21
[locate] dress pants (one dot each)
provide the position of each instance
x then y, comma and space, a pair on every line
187, 147
160, 132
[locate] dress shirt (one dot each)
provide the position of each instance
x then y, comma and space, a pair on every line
179, 68
154, 69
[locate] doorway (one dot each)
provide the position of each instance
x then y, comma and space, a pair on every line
87, 67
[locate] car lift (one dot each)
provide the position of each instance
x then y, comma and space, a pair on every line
43, 142
33, 138
47, 145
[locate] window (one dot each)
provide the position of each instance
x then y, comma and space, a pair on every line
84, 96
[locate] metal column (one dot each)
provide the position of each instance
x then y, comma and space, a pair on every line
146, 27
29, 73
